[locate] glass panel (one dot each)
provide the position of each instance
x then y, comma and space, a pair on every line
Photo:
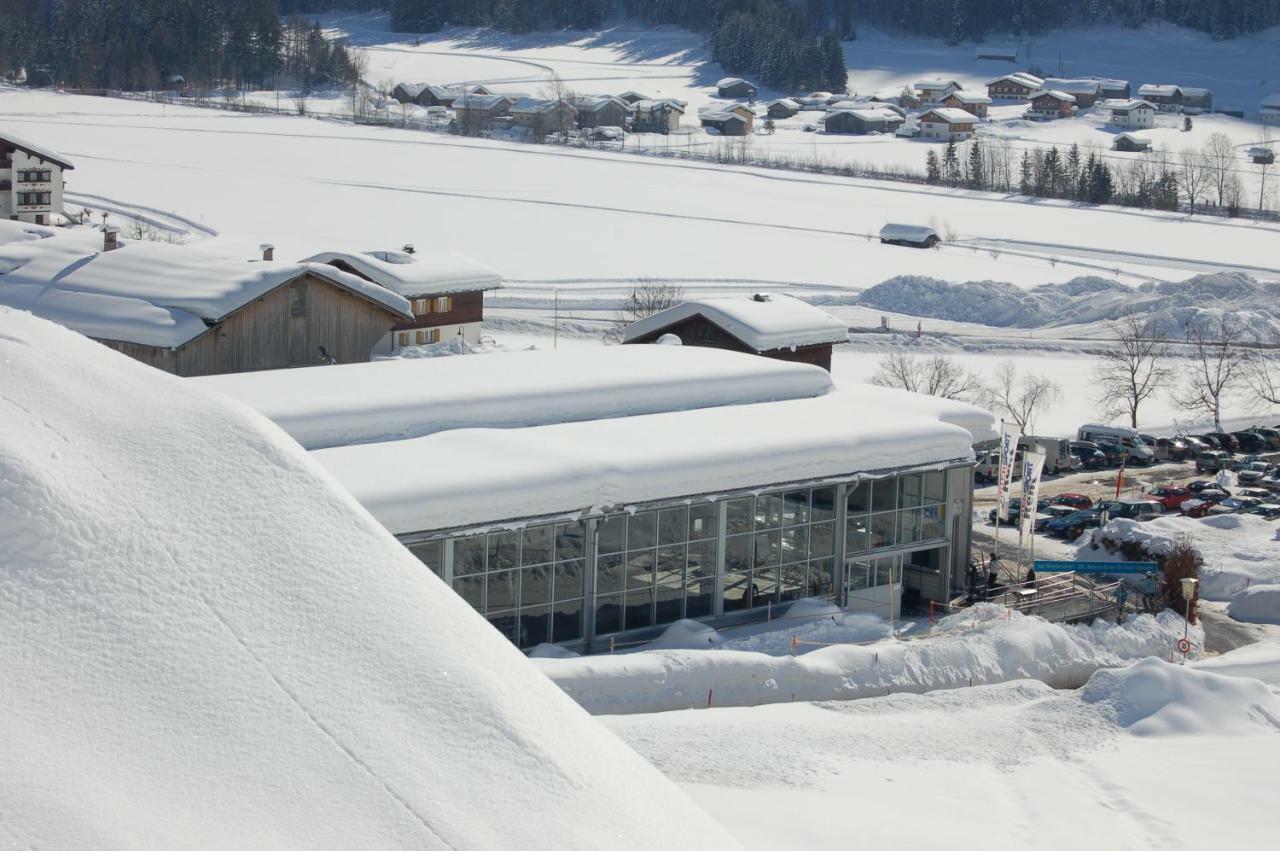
431, 554
670, 598
824, 504
702, 559
764, 586
884, 495
909, 520
935, 486
698, 599
702, 520
795, 508
859, 575
535, 585
569, 541
535, 625
909, 490
792, 582
884, 529
609, 574
642, 530
471, 589
737, 552
504, 550
739, 515
856, 537
768, 548
736, 586
468, 555
506, 623
795, 544
502, 589
769, 510
673, 525
639, 569
820, 580
639, 609
536, 545
566, 621
859, 499
569, 575
933, 522
822, 539
887, 570
608, 614
671, 565
611, 533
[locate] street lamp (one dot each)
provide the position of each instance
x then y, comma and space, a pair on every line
1188, 591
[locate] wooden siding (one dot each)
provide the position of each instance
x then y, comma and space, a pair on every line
700, 331
609, 115
466, 307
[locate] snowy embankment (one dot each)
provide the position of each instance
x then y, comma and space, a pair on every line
206, 643
983, 645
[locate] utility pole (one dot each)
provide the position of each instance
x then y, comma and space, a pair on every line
555, 326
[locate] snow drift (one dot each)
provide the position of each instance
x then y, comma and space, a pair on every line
981, 646
205, 643
1256, 604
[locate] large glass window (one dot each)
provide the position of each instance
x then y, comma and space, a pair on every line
780, 548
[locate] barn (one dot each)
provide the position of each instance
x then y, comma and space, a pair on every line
864, 119
736, 87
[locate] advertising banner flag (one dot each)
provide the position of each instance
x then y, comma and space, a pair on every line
1009, 434
1032, 469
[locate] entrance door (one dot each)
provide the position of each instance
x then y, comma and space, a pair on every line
873, 585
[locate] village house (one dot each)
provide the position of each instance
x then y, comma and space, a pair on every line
544, 115
31, 181
1018, 86
1086, 92
946, 124
188, 311
1132, 114
1051, 104
1270, 110
445, 292
970, 102
429, 94
862, 119
933, 91
1113, 89
601, 111
727, 119
1166, 98
813, 100
1196, 99
782, 108
1131, 143
475, 111
631, 97
657, 116
999, 54
736, 87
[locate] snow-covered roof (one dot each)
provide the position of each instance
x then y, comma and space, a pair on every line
398, 399
538, 106
948, 115
714, 112
633, 95
1157, 90
482, 476
1130, 105
788, 103
1073, 87
232, 622
725, 82
476, 101
145, 292
663, 103
1136, 139
969, 97
1271, 101
1056, 95
594, 103
763, 322
1194, 91
37, 150
438, 271
937, 85
1028, 80
411, 89
910, 233
866, 111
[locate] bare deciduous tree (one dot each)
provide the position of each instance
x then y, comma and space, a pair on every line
1133, 368
1261, 378
1022, 398
1193, 175
649, 296
1217, 367
1220, 160
937, 375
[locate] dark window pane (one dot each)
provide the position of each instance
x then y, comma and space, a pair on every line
639, 569
535, 626
703, 518
569, 541
569, 575
639, 609
504, 550
507, 623
536, 545
795, 507
611, 533
535, 585
738, 516
884, 495
608, 574
888, 571
566, 620
608, 614
642, 530
737, 552
859, 575
909, 526
671, 564
736, 588
820, 579
795, 544
672, 525
503, 591
859, 499
699, 599
909, 490
824, 504
670, 600
471, 589
822, 539
764, 586
792, 582
884, 529
768, 548
702, 559
769, 511
431, 554
933, 522
856, 537
935, 486
468, 555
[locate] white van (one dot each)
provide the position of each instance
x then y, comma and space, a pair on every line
1125, 437
1057, 452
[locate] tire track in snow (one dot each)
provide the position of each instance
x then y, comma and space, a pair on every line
1136, 258
162, 219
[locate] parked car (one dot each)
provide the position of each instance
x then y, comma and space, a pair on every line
1194, 445
1077, 501
1211, 440
1212, 461
1226, 442
1260, 494
1091, 457
1270, 435
1266, 510
1253, 472
1250, 442
1074, 524
1115, 453
1015, 511
1233, 505
987, 469
1172, 449
1203, 501
1135, 509
1170, 496
1128, 439
1199, 485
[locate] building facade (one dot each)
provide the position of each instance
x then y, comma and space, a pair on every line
946, 125
31, 181
1047, 106
1133, 115
1013, 87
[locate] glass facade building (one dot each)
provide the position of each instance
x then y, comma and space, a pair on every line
862, 542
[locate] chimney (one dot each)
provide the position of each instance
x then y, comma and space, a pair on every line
268, 251
408, 248
110, 238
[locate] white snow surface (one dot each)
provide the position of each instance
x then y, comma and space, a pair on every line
396, 399
984, 645
437, 272
204, 643
763, 322
480, 476
1256, 604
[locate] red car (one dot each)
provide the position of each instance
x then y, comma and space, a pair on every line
1199, 504
1077, 501
1171, 497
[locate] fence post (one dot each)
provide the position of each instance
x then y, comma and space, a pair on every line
709, 692
794, 642
611, 645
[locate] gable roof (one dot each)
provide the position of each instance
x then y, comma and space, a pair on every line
437, 272
908, 233
968, 97
1271, 101
1130, 105
949, 115
664, 103
1136, 138
595, 103
538, 106
1073, 87
1055, 94
937, 84
1194, 91
471, 100
1031, 81
725, 82
761, 322
787, 103
1157, 90
47, 154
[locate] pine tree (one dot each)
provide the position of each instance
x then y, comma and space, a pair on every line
951, 165
1025, 184
932, 172
977, 174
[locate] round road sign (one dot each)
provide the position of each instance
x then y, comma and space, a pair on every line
1184, 646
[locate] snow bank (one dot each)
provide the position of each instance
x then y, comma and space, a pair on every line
1259, 661
205, 643
1256, 604
983, 645
1157, 698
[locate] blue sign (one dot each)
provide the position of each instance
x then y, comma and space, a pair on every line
1096, 566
